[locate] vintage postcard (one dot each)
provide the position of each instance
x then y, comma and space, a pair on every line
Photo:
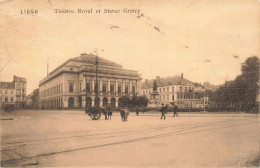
129, 83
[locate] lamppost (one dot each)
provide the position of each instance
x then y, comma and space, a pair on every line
96, 83
95, 113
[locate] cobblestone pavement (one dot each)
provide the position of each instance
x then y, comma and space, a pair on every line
70, 138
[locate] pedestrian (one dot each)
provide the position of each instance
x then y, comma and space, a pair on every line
109, 111
122, 113
175, 110
104, 109
137, 110
126, 114
163, 111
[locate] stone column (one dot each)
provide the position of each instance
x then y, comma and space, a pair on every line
116, 88
93, 84
84, 84
100, 85
123, 87
93, 101
130, 86
83, 102
108, 86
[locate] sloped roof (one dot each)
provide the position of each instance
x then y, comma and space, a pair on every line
7, 85
19, 79
166, 81
90, 58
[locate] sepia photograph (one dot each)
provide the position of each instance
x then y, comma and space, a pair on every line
129, 83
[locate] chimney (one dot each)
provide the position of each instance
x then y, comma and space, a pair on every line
181, 75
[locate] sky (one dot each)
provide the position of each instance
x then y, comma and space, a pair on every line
204, 40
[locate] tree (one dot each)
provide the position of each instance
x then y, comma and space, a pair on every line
143, 101
241, 94
35, 98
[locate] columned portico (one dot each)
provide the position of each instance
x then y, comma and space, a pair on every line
73, 83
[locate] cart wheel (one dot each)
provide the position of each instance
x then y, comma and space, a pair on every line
95, 116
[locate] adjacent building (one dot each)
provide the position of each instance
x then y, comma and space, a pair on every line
72, 84
13, 93
178, 91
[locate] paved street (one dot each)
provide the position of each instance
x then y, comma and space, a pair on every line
71, 138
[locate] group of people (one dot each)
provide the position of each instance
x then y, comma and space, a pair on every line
124, 112
165, 109
107, 112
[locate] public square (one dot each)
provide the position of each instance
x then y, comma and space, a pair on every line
69, 138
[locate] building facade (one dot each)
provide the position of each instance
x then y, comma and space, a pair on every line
13, 93
72, 84
178, 91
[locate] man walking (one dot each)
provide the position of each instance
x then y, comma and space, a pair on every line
175, 110
163, 110
122, 113
137, 110
109, 111
104, 109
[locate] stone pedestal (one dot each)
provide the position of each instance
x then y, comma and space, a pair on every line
154, 100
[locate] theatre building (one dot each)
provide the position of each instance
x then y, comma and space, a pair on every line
72, 84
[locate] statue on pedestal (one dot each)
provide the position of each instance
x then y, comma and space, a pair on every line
154, 101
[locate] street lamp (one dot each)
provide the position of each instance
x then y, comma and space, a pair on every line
95, 113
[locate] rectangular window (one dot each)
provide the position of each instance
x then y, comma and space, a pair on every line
112, 88
80, 87
167, 97
18, 85
87, 87
104, 88
126, 89
119, 89
160, 90
172, 89
186, 89
18, 91
6, 91
96, 87
11, 91
180, 88
6, 99
172, 97
167, 89
71, 87
133, 89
